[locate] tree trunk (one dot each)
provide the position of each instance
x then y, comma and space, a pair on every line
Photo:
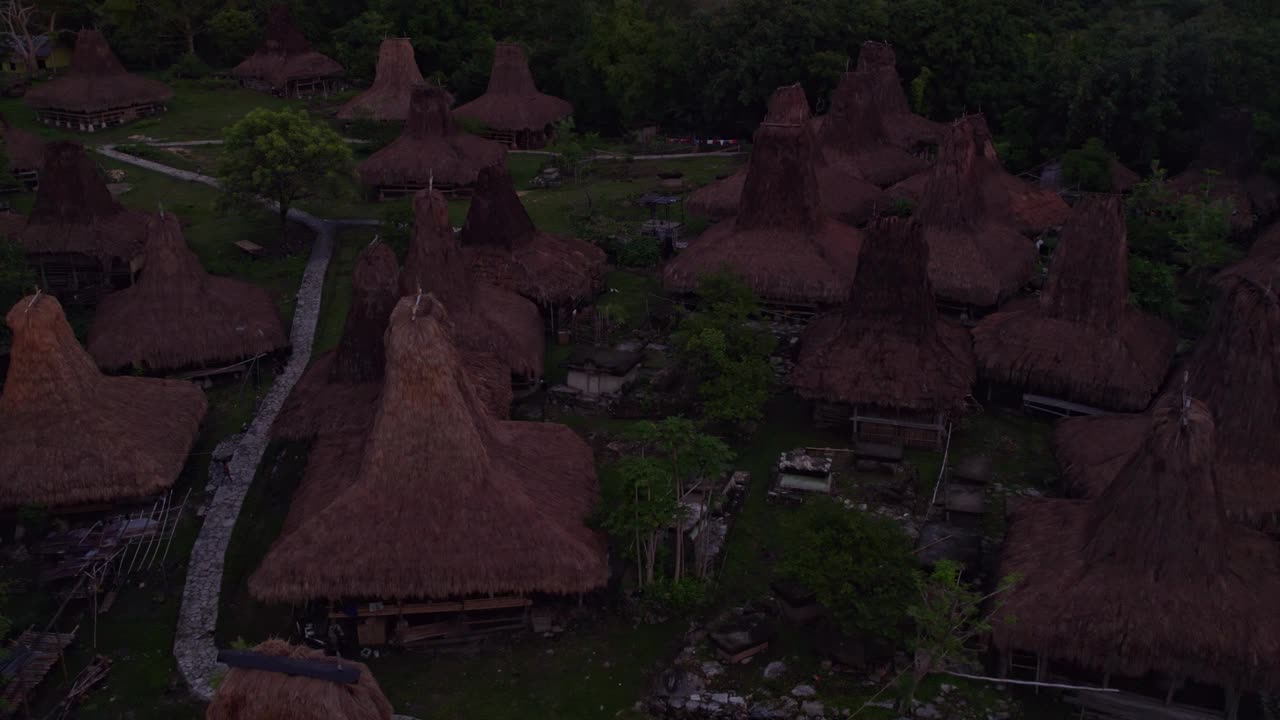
284, 221
189, 34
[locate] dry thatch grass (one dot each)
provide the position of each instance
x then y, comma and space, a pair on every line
95, 82
396, 77
285, 55
512, 102
1228, 164
71, 435
25, 149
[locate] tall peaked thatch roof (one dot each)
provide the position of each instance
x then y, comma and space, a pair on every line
431, 149
71, 435
1228, 165
843, 196
176, 315
504, 249
485, 318
285, 55
388, 98
505, 501
25, 149
1031, 208
781, 242
975, 257
887, 347
74, 211
512, 102
1236, 370
1083, 341
95, 82
246, 694
1149, 576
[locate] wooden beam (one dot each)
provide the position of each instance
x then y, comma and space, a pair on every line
316, 669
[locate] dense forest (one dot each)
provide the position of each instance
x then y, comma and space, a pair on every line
1142, 75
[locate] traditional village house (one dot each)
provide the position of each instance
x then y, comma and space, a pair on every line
595, 371
506, 502
178, 316
1081, 342
72, 436
97, 92
1236, 370
285, 64
278, 680
431, 152
51, 53
387, 100
844, 196
1148, 582
781, 242
886, 359
1227, 167
512, 110
504, 249
81, 241
25, 151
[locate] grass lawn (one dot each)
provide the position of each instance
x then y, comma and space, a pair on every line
336, 299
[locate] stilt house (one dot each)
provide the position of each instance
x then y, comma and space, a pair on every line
289, 681
396, 77
512, 109
285, 64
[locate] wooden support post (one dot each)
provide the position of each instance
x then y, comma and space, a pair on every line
1004, 661
1040, 662
1233, 702
1106, 680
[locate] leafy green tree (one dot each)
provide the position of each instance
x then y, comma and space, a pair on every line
859, 565
456, 35
16, 278
572, 150
283, 156
234, 33
633, 46
357, 42
1153, 286
1088, 167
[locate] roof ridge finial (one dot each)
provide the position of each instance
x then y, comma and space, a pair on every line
376, 238
34, 298
161, 205
431, 181
414, 315
1186, 399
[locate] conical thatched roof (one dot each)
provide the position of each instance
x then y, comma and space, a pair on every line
504, 249
887, 347
264, 695
388, 98
95, 82
431, 149
1149, 576
25, 149
447, 501
285, 55
75, 213
781, 242
844, 197
512, 102
1228, 164
1083, 341
485, 318
71, 435
975, 257
1236, 369
176, 315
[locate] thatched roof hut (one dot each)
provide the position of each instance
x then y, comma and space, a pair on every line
1227, 164
1149, 576
72, 435
97, 91
284, 63
781, 242
246, 694
396, 77
485, 318
1082, 341
431, 151
844, 196
904, 127
512, 106
504, 249
177, 315
887, 347
1236, 369
25, 149
975, 257
506, 500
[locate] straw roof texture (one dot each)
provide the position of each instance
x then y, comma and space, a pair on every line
1122, 178
1149, 576
1227, 163
74, 211
96, 81
1236, 370
261, 695
71, 435
860, 137
512, 102
177, 315
887, 347
447, 501
396, 77
781, 242
485, 318
504, 249
285, 55
25, 149
974, 256
431, 149
844, 196
1083, 341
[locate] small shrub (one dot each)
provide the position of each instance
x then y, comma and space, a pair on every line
643, 251
682, 597
189, 67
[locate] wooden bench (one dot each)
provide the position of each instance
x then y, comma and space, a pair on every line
252, 249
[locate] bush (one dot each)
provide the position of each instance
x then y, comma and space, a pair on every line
643, 251
682, 597
189, 67
1088, 167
